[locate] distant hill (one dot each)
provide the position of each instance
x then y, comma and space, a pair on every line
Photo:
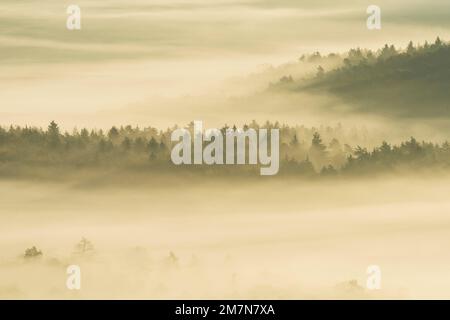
411, 83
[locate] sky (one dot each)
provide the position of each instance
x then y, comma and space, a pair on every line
133, 52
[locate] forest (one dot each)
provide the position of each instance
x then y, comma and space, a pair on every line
407, 83
412, 83
324, 151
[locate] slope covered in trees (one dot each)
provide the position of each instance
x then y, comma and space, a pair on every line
409, 83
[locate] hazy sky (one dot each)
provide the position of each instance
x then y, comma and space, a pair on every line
129, 51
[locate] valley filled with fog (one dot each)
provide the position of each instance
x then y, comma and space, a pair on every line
86, 176
231, 239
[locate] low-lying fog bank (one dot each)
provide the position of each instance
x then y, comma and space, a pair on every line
261, 239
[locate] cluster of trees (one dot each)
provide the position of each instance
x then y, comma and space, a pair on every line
302, 150
409, 154
358, 56
35, 146
83, 247
411, 82
361, 65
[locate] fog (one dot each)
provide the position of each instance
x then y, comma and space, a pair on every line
302, 239
135, 54
193, 235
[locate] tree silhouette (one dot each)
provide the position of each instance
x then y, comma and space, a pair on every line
317, 152
84, 246
32, 252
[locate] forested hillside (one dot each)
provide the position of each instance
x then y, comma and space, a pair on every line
409, 83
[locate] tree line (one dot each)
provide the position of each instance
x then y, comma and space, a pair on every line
303, 151
410, 82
